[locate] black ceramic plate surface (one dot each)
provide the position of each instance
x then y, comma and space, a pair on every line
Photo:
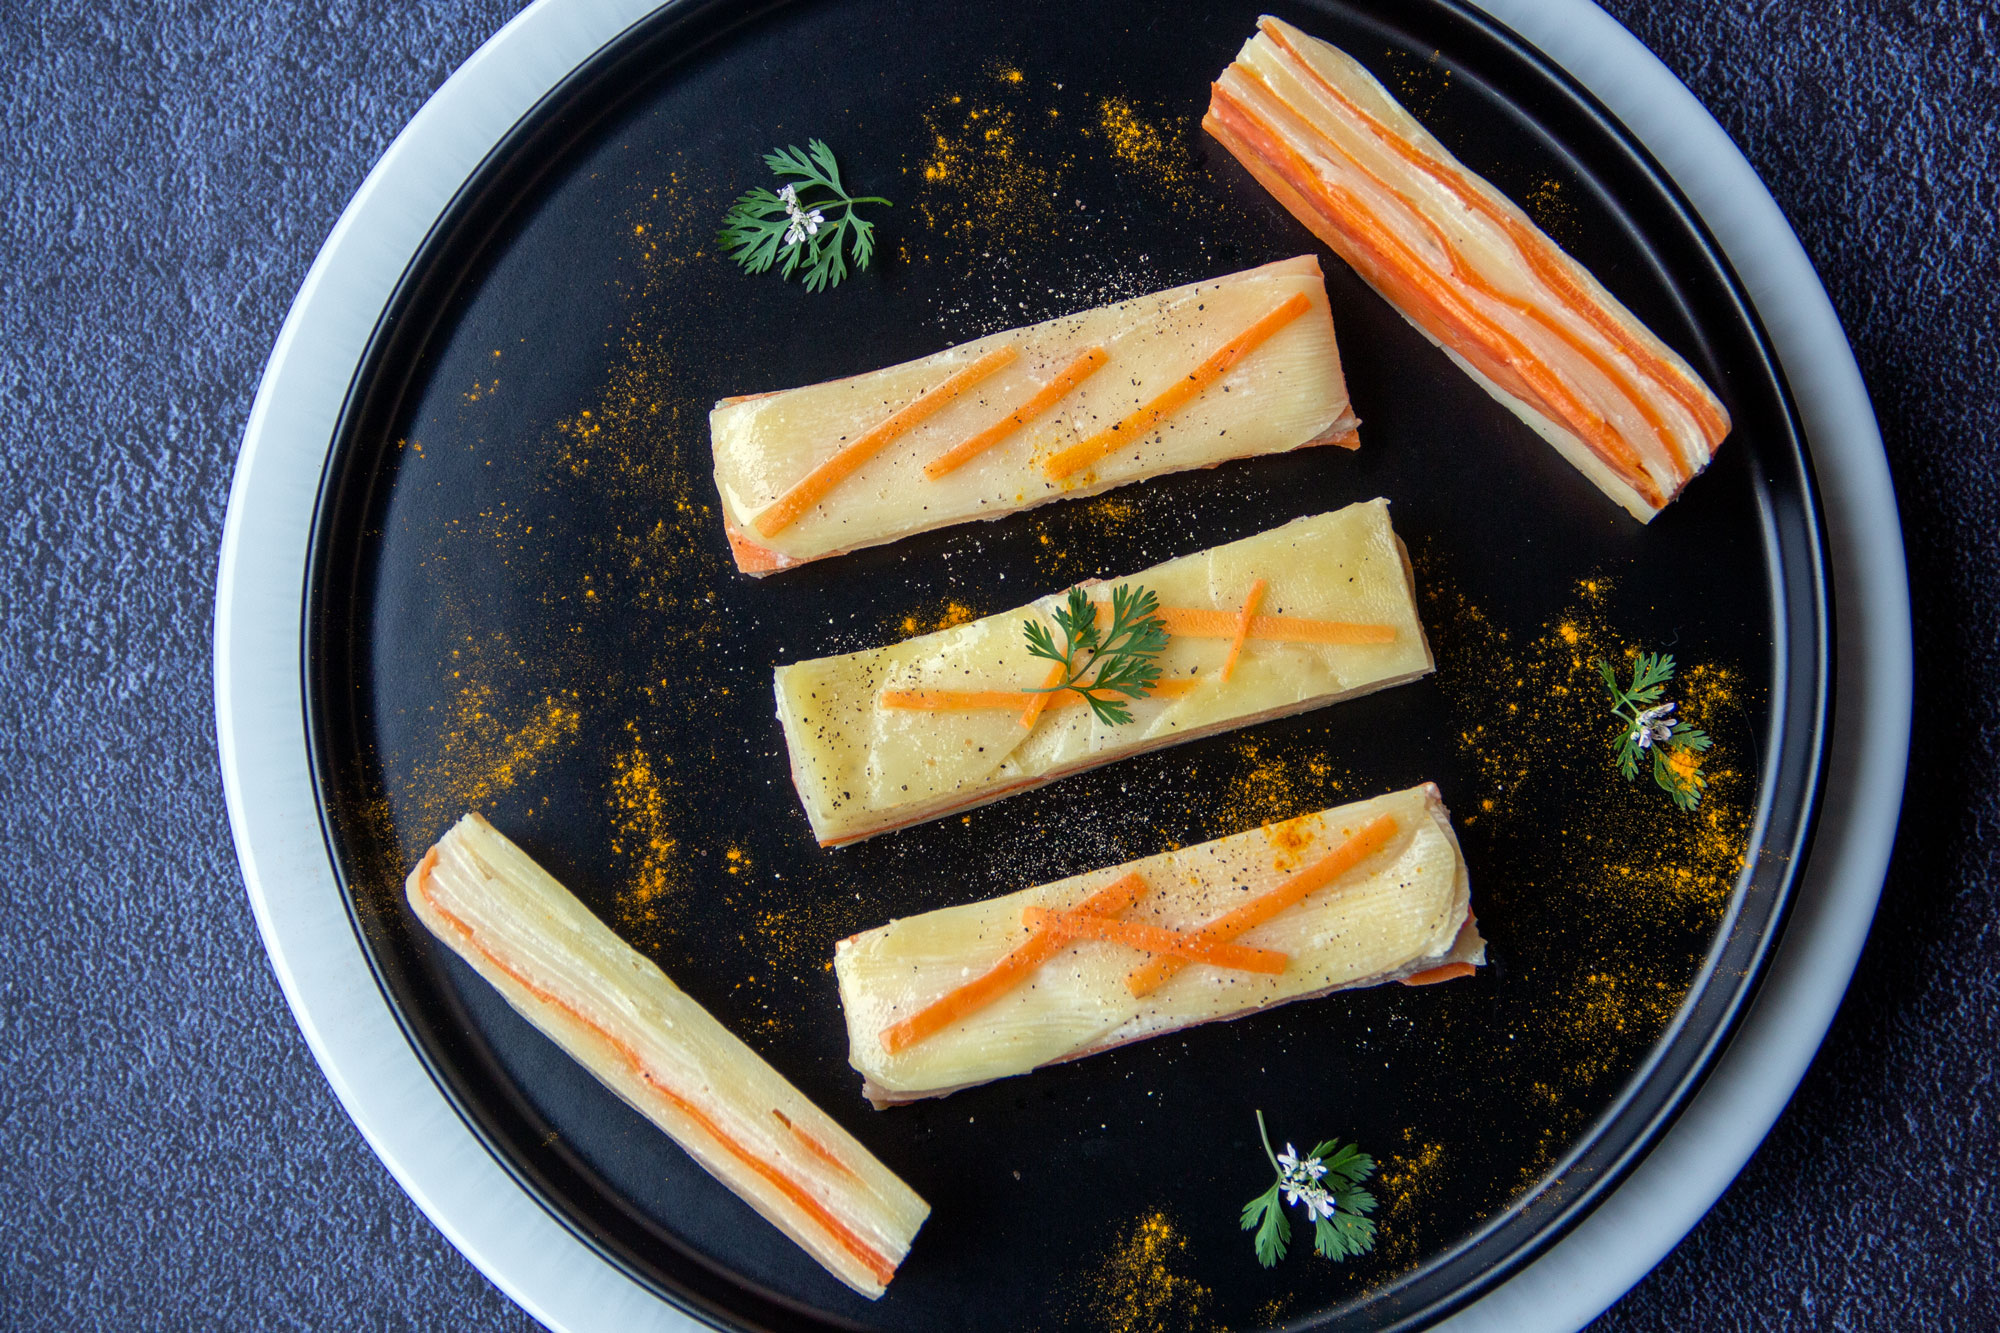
521, 602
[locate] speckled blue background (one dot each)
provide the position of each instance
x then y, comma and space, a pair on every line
172, 1157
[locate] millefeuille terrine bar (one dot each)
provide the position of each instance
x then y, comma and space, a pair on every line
1307, 614
1225, 368
1362, 894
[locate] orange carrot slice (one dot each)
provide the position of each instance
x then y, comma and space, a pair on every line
1183, 391
1193, 947
1192, 623
1037, 702
1371, 839
1442, 972
1046, 397
813, 487
953, 701
843, 1235
1242, 628
1009, 972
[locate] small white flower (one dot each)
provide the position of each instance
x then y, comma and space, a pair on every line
790, 195
795, 233
812, 221
1653, 725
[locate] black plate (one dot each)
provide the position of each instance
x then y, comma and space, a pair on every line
521, 602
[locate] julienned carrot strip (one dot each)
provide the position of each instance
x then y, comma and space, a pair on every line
955, 701
1191, 623
1039, 700
1371, 839
878, 1266
1178, 395
1390, 262
1154, 940
1472, 278
1535, 247
1046, 397
1009, 972
1255, 596
812, 488
1442, 972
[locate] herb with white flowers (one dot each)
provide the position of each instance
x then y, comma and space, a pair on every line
1327, 1183
1648, 725
792, 223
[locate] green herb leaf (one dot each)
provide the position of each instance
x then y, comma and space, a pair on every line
764, 224
1103, 664
1267, 1218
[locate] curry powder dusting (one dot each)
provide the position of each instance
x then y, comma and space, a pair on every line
640, 798
1138, 1289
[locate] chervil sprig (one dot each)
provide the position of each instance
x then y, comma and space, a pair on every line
1122, 658
765, 224
1328, 1182
1648, 725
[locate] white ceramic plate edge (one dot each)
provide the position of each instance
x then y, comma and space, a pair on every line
505, 1232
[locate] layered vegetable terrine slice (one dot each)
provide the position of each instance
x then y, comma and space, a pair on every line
1238, 365
1354, 896
1304, 615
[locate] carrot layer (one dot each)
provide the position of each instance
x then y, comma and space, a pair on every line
1182, 392
1009, 972
1191, 623
813, 487
1364, 844
1192, 946
878, 1266
1443, 972
1243, 618
953, 701
1046, 397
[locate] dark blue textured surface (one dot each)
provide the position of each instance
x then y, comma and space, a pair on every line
172, 1157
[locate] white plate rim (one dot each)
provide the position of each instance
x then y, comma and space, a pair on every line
506, 1233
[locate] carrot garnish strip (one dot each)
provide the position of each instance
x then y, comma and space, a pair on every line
1243, 618
813, 487
1183, 391
1371, 839
1009, 972
954, 701
1193, 947
1192, 623
877, 1265
1442, 972
1039, 700
1046, 397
